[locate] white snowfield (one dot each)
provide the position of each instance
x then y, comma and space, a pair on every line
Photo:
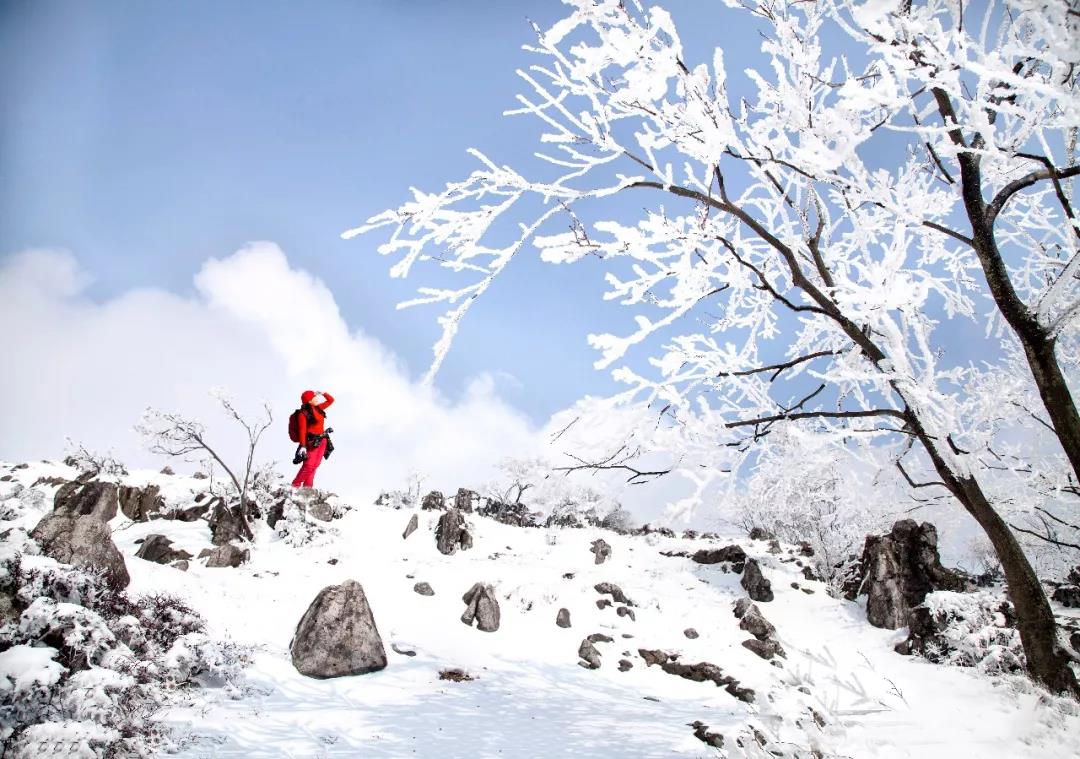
530, 698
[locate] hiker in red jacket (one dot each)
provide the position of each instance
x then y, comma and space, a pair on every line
314, 439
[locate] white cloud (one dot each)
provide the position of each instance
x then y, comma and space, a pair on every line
255, 326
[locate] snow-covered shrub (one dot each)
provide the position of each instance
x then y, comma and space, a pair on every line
966, 630
804, 489
85, 667
396, 499
19, 500
298, 529
99, 463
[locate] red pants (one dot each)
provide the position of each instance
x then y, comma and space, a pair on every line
306, 476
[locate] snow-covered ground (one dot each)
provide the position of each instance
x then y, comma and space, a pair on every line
530, 698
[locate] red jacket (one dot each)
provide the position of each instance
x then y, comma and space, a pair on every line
317, 427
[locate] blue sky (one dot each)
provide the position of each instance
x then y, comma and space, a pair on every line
147, 137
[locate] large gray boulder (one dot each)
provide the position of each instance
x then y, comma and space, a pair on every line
140, 504
410, 528
337, 636
452, 533
754, 582
482, 606
899, 569
93, 499
84, 542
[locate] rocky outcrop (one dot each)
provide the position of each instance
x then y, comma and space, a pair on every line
423, 589
513, 514
760, 533
226, 524
755, 584
410, 528
897, 571
482, 606
337, 636
433, 501
83, 541
452, 533
702, 733
227, 555
700, 672
465, 500
87, 499
733, 557
626, 611
562, 619
690, 633
613, 590
141, 504
158, 549
601, 550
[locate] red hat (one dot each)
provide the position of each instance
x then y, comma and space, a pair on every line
306, 396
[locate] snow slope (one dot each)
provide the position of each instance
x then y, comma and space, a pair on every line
530, 698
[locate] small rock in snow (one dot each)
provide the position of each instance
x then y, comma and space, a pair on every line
562, 619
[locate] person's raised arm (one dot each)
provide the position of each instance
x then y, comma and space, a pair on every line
328, 399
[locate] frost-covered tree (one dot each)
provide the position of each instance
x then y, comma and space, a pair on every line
178, 436
804, 488
821, 233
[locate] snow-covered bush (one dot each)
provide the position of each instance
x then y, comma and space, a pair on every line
966, 630
538, 487
84, 667
804, 488
297, 528
17, 500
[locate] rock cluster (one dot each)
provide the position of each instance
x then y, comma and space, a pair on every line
764, 644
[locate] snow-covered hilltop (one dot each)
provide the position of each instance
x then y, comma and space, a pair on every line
576, 641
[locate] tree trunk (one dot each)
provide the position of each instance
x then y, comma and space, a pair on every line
1047, 659
1056, 397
